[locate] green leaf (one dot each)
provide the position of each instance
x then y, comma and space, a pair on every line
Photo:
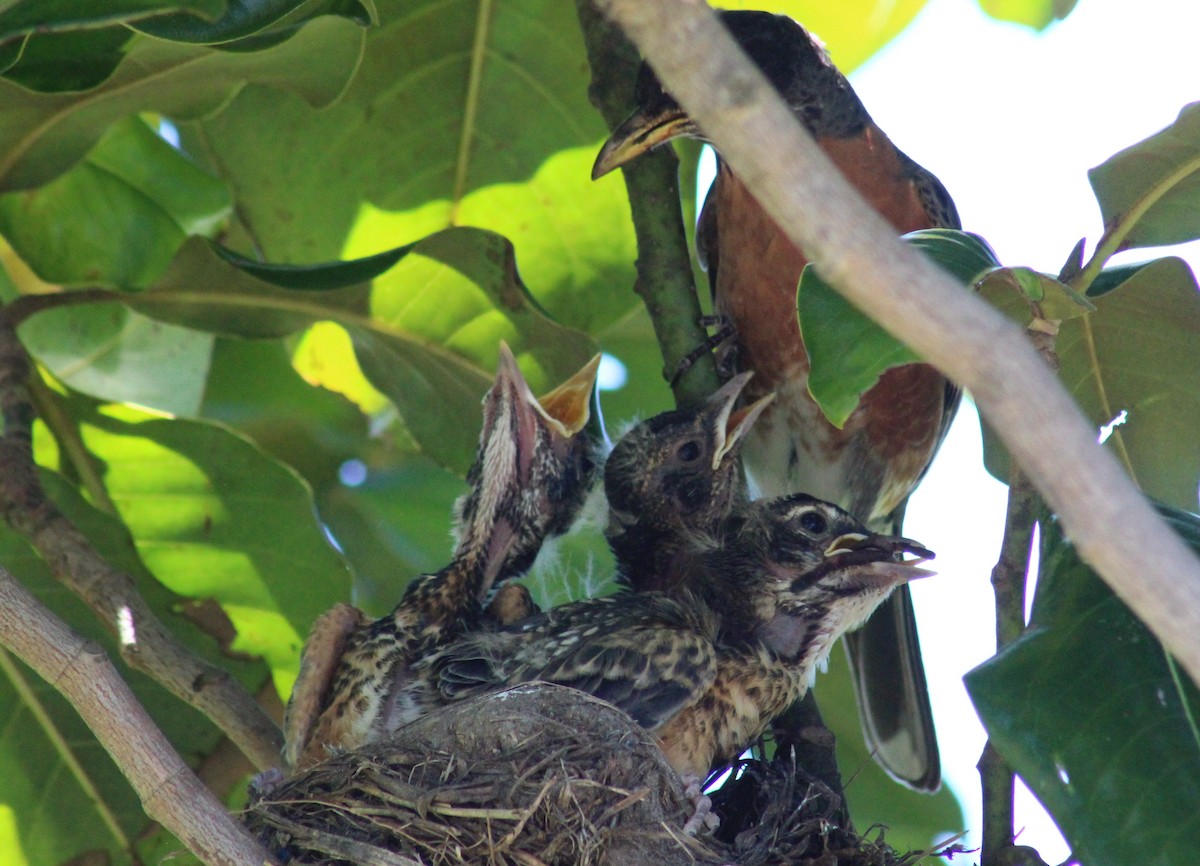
849, 351
214, 517
118, 217
43, 135
1136, 354
113, 353
319, 277
853, 30
425, 332
1037, 14
246, 18
464, 115
56, 16
48, 758
1095, 717
1025, 294
61, 62
1155, 185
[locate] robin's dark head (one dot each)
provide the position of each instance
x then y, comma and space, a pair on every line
794, 62
536, 462
675, 475
804, 571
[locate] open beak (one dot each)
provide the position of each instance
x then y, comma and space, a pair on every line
730, 426
886, 560
568, 407
643, 130
564, 411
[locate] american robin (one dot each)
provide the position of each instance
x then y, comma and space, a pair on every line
704, 669
535, 464
872, 464
673, 477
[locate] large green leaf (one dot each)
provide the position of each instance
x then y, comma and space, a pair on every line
49, 760
1135, 354
62, 62
214, 517
1155, 182
117, 217
114, 353
1091, 712
849, 351
246, 18
425, 331
53, 16
41, 135
463, 114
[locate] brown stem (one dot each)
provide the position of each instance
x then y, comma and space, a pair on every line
1008, 581
664, 269
170, 793
146, 644
1108, 519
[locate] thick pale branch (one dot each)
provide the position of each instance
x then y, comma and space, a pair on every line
170, 793
1108, 519
146, 643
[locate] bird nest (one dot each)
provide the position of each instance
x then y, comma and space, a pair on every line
538, 775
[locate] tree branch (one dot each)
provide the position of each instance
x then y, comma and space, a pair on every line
170, 793
1008, 581
146, 644
664, 269
1108, 519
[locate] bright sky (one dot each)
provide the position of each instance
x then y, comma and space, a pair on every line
1011, 121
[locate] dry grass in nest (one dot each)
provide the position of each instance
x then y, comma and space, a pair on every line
537, 775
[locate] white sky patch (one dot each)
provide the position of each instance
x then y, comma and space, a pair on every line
612, 374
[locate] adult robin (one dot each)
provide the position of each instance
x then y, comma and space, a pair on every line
706, 668
671, 478
872, 464
535, 464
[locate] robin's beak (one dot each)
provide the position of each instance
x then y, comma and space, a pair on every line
730, 426
513, 425
881, 560
567, 409
563, 412
644, 130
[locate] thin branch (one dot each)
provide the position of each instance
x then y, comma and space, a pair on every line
146, 644
1108, 519
1008, 581
170, 793
664, 269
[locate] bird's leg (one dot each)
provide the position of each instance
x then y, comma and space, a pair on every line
720, 337
703, 817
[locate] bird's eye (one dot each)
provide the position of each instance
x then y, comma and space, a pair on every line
813, 522
586, 465
688, 451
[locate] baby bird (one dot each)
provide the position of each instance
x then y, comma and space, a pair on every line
706, 668
671, 478
534, 467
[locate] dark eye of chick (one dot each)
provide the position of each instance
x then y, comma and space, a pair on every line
689, 451
814, 523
